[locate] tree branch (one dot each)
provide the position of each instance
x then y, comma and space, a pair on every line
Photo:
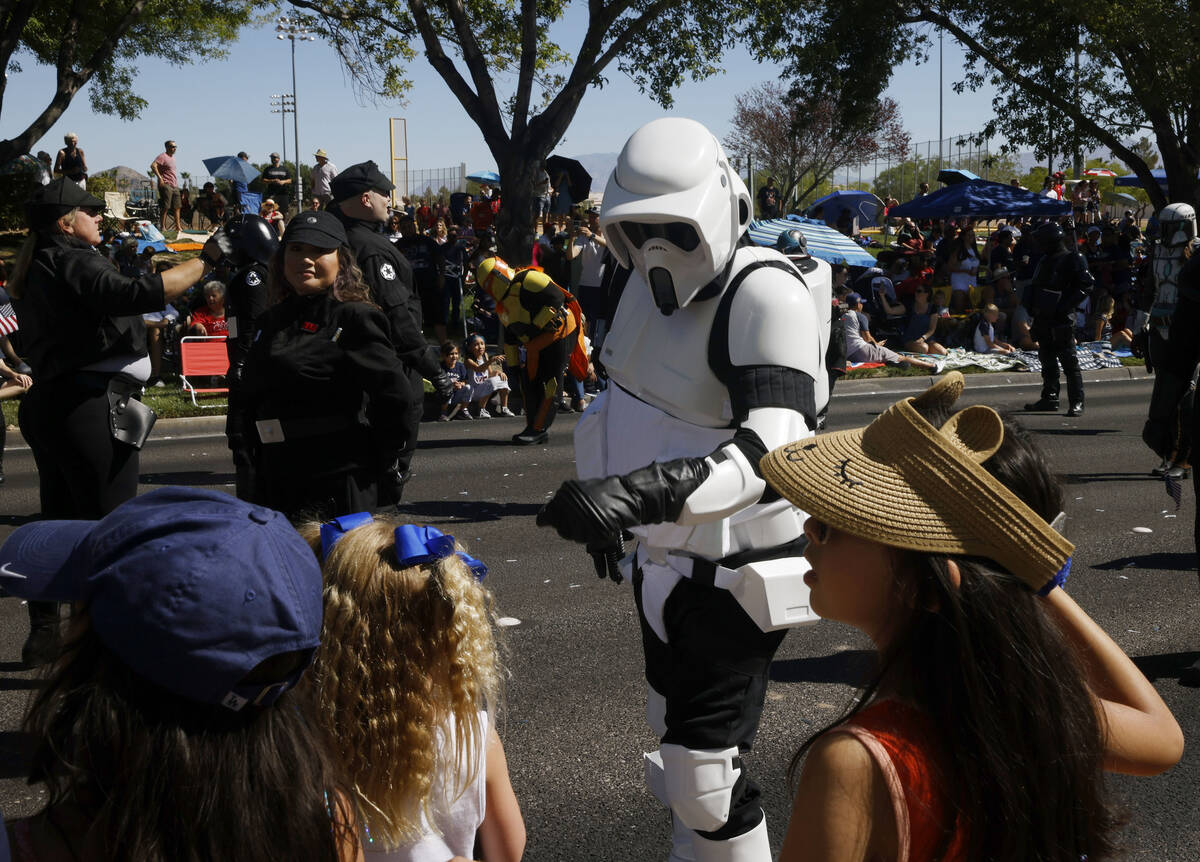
1048, 95
527, 64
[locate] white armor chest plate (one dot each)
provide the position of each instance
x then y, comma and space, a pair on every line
663, 360
1168, 261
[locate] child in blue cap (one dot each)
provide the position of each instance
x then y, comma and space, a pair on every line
167, 728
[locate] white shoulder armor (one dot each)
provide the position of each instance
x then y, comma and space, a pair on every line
774, 318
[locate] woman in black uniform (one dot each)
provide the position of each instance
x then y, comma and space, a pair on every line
83, 335
323, 387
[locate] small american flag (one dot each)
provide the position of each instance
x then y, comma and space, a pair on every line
8, 319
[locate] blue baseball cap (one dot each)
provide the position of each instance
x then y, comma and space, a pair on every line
853, 299
190, 588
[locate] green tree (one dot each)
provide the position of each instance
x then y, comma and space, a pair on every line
1068, 78
803, 142
100, 42
515, 82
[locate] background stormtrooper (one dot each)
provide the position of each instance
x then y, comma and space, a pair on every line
716, 356
1172, 326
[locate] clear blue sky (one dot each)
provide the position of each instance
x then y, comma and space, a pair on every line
219, 108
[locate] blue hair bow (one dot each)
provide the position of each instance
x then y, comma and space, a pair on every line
416, 545
332, 531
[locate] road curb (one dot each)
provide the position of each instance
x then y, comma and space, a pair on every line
992, 380
206, 426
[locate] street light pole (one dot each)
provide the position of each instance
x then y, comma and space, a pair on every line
293, 29
283, 104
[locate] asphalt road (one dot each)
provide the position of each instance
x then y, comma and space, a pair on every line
572, 724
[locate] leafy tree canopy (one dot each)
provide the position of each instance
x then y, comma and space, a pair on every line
1069, 77
519, 86
801, 142
101, 42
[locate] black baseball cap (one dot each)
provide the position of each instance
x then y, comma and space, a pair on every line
56, 199
356, 179
321, 229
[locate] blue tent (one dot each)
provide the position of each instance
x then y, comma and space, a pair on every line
1160, 177
824, 242
864, 206
950, 176
980, 199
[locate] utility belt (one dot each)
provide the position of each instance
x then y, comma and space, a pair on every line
302, 427
129, 420
768, 583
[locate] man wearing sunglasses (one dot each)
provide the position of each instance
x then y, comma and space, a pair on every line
715, 356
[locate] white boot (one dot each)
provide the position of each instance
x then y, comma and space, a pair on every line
752, 846
682, 849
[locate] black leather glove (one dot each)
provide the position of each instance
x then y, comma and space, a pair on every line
443, 384
217, 247
593, 511
607, 559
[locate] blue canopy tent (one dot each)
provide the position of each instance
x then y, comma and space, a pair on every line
981, 199
864, 206
950, 176
824, 242
1160, 177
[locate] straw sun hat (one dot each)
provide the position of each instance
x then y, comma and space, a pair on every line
905, 483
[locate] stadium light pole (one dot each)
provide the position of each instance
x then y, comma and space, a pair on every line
294, 29
283, 104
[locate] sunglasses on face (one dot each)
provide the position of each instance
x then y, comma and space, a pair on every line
821, 532
92, 211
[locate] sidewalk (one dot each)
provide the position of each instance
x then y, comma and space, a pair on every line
207, 426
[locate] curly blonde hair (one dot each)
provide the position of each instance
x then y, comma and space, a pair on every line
406, 653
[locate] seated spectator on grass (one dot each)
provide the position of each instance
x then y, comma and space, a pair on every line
985, 340
487, 378
920, 329
168, 727
963, 265
211, 205
460, 399
270, 211
209, 319
861, 345
1022, 330
1103, 328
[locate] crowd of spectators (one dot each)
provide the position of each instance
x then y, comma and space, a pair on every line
946, 284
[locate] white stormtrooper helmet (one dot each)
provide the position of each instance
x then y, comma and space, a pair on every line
674, 209
1177, 224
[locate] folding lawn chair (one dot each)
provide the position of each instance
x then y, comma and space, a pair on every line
202, 356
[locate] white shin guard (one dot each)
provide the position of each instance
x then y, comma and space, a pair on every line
699, 784
752, 846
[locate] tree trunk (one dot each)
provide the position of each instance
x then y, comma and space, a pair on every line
520, 167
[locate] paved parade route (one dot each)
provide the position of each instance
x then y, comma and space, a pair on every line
573, 725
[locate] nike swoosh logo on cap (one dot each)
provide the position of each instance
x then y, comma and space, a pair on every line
9, 573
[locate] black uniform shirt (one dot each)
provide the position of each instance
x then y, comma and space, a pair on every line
77, 309
314, 356
245, 301
390, 278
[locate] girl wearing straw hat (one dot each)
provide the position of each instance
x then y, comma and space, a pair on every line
998, 702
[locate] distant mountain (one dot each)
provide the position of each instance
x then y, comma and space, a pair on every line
125, 177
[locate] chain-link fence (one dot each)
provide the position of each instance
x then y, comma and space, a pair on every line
902, 178
433, 182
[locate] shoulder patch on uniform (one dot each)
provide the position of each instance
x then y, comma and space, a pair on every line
253, 279
387, 271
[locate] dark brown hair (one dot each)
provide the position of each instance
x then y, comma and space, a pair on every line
165, 779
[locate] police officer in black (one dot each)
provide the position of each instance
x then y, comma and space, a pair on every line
324, 389
360, 201
1059, 282
83, 335
254, 241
